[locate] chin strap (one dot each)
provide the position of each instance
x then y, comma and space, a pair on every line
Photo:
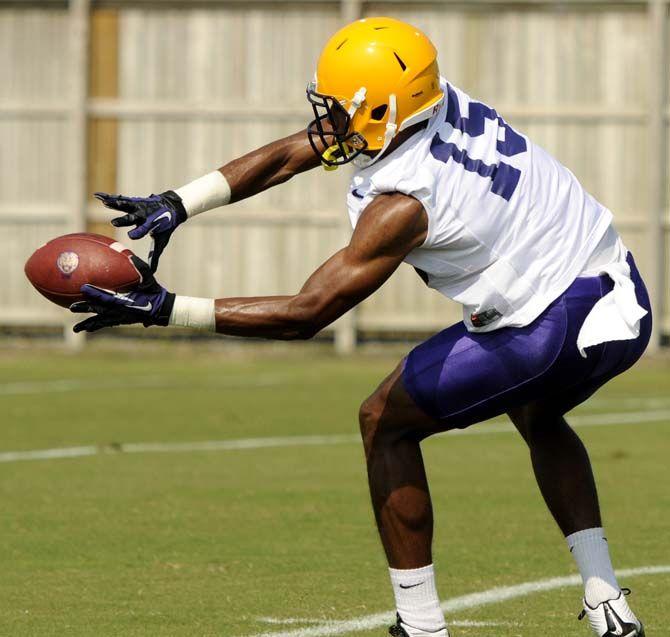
357, 101
362, 161
391, 126
390, 133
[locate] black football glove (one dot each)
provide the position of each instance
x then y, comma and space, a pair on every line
156, 215
149, 303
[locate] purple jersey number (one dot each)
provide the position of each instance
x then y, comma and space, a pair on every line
504, 178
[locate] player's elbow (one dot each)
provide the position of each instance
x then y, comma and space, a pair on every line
306, 316
305, 334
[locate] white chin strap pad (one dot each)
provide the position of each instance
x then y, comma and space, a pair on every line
391, 130
357, 101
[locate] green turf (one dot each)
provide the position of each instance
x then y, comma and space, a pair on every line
207, 543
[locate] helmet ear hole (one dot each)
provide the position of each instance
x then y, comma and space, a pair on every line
378, 112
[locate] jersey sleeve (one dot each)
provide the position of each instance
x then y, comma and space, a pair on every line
419, 184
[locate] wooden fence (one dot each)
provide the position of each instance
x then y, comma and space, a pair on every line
138, 97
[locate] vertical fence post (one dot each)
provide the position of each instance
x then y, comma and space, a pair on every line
346, 329
658, 38
79, 26
350, 10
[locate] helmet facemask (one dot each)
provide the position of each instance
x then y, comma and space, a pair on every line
330, 127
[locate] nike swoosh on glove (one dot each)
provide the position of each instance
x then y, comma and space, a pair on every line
148, 304
156, 215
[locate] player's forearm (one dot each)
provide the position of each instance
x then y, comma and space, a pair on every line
250, 174
273, 317
269, 166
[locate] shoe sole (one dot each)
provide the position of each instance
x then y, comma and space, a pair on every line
634, 633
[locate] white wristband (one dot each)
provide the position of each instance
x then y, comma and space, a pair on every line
205, 193
191, 312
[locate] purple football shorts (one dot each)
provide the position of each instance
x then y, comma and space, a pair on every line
462, 377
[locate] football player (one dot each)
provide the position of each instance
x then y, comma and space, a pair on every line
553, 303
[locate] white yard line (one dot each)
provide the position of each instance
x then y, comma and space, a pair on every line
471, 623
457, 604
18, 388
648, 402
236, 445
592, 420
63, 385
585, 420
289, 621
47, 454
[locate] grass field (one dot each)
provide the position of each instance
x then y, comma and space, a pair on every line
276, 539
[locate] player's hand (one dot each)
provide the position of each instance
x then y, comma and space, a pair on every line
149, 303
156, 215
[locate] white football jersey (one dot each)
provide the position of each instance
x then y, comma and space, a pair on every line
509, 227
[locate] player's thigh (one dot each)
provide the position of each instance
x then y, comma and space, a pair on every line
462, 378
572, 385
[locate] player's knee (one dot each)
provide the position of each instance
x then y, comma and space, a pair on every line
369, 417
377, 422
374, 420
538, 428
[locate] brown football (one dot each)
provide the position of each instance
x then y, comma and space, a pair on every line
60, 267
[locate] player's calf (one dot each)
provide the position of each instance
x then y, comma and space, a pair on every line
391, 428
563, 471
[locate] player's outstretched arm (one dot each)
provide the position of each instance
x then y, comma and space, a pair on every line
159, 215
389, 228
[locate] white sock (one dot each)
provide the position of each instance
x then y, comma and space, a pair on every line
590, 550
417, 601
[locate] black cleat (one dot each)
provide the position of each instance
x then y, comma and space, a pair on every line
398, 630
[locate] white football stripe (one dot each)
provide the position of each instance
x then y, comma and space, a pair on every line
593, 420
117, 246
473, 600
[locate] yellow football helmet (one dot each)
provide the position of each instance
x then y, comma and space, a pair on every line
374, 78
